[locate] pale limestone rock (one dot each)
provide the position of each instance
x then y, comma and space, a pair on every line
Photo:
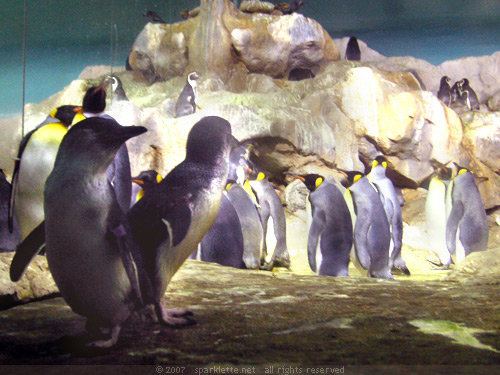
256, 6
494, 102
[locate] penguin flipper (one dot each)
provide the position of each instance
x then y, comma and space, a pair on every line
361, 242
456, 214
317, 226
26, 251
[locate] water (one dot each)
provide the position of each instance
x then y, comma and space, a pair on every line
50, 69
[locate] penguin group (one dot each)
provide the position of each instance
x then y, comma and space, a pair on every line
460, 96
456, 218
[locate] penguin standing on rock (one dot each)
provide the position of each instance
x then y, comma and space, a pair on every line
115, 85
168, 223
392, 208
186, 102
444, 93
471, 96
35, 160
372, 236
353, 52
330, 237
467, 225
94, 273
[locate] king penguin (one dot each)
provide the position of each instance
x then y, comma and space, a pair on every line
143, 183
467, 225
223, 243
186, 102
330, 234
271, 208
35, 160
436, 215
8, 240
253, 235
95, 275
392, 208
444, 93
372, 236
168, 223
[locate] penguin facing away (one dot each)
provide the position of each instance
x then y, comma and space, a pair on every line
352, 51
251, 227
372, 235
392, 208
35, 160
95, 275
444, 92
223, 243
186, 102
436, 215
330, 234
467, 225
168, 223
270, 208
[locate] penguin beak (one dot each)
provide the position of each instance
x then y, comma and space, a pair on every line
138, 182
297, 176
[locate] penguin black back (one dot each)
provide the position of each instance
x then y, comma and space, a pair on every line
94, 100
444, 93
352, 52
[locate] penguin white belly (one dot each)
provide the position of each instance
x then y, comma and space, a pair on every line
202, 219
350, 206
436, 216
36, 165
319, 255
459, 249
87, 270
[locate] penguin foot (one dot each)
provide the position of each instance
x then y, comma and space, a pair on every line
438, 266
401, 270
102, 338
277, 263
174, 318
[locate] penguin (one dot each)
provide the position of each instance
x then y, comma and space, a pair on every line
115, 86
471, 96
392, 208
153, 17
8, 240
270, 208
33, 164
166, 225
94, 273
290, 8
143, 183
253, 234
223, 243
186, 102
454, 92
372, 234
436, 215
352, 51
330, 232
467, 224
94, 104
444, 93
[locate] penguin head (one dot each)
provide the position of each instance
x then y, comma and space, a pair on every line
459, 170
146, 180
351, 177
445, 80
230, 182
380, 160
94, 100
65, 114
312, 180
192, 77
464, 83
112, 82
3, 175
210, 141
95, 141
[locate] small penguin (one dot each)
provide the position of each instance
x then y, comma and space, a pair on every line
270, 208
467, 225
330, 233
372, 236
444, 93
471, 96
253, 234
153, 17
392, 208
186, 102
223, 243
35, 160
95, 275
8, 240
352, 51
115, 86
290, 8
436, 215
454, 92
143, 183
167, 224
